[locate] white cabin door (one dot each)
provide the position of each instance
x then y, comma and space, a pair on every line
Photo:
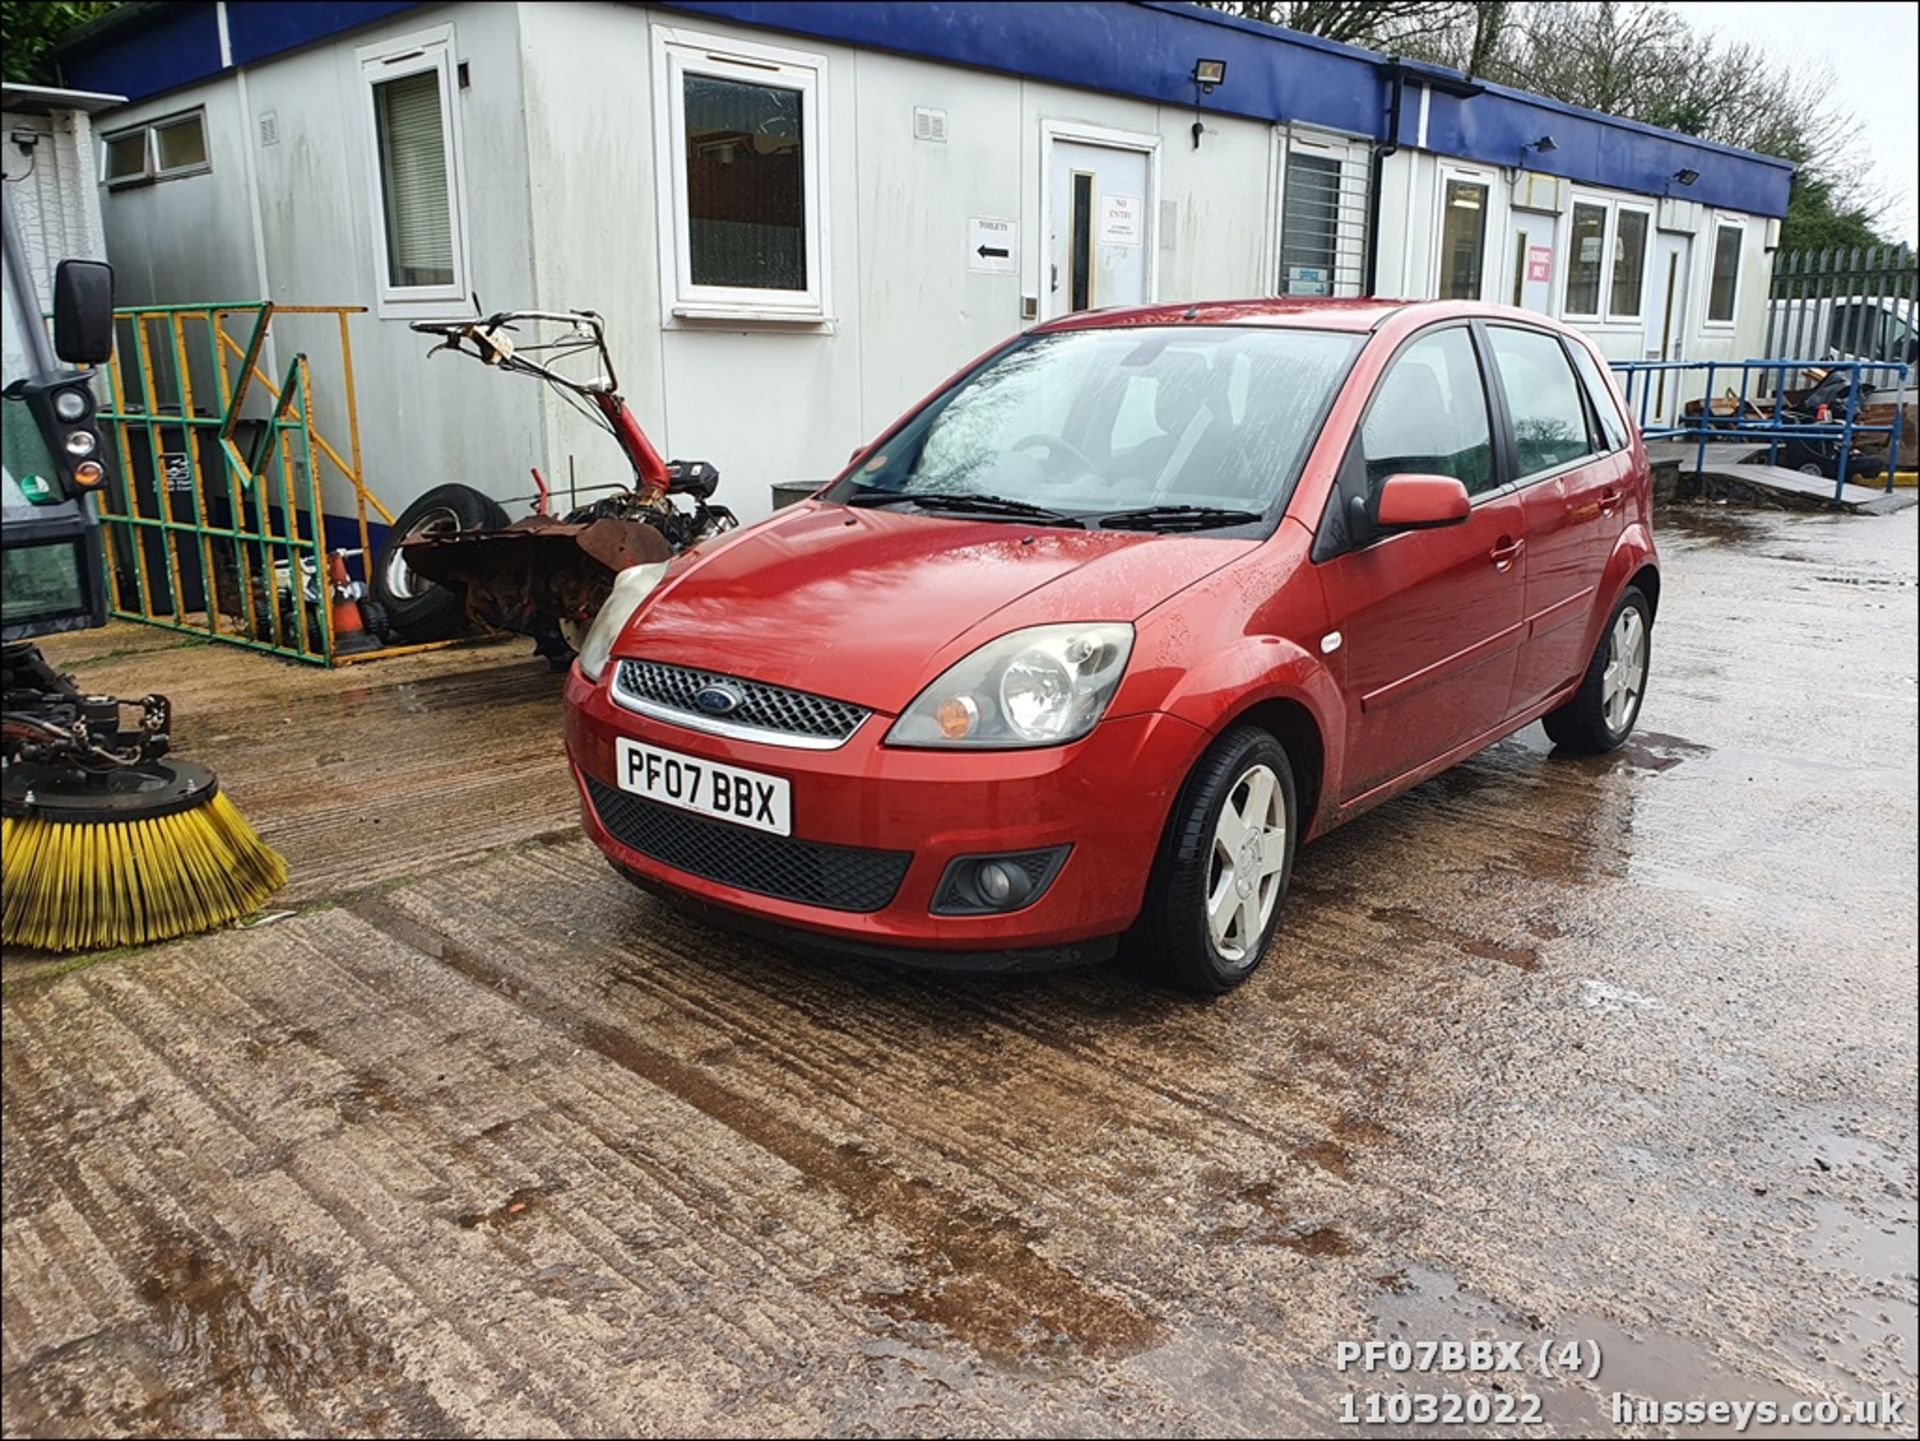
1530, 268
1666, 322
1099, 208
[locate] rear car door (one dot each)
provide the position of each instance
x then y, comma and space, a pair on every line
1428, 622
1572, 485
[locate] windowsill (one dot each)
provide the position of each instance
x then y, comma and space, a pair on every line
134, 182
770, 317
438, 306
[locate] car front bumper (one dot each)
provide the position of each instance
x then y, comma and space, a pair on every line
1105, 796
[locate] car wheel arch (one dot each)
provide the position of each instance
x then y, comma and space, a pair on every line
1648, 579
1292, 722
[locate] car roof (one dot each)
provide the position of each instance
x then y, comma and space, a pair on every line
1302, 312
1358, 315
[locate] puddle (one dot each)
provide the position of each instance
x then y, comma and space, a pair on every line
1709, 521
245, 1341
1412, 925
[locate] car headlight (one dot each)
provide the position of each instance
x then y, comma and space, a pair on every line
630, 587
1042, 686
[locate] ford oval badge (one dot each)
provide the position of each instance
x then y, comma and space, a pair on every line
719, 699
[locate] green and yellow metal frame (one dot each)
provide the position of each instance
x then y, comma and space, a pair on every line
275, 522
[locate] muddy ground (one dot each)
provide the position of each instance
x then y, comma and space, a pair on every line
474, 1137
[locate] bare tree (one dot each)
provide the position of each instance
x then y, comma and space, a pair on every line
1377, 24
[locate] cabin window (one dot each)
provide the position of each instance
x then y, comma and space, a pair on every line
163, 149
1723, 294
742, 227
418, 217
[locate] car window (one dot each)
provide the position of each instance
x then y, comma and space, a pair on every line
1101, 420
1429, 416
1602, 395
1549, 423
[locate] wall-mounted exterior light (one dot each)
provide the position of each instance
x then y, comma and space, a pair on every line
1544, 145
1206, 75
1686, 176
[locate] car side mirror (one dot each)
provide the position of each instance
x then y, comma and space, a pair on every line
1421, 502
83, 312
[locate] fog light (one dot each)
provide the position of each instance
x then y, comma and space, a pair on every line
999, 885
993, 885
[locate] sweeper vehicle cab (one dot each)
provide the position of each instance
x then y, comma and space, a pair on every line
108, 840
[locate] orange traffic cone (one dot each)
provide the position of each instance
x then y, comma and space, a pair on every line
349, 631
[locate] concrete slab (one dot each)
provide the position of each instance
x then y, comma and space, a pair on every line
1739, 472
1615, 1050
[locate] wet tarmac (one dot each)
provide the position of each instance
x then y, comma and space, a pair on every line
472, 1137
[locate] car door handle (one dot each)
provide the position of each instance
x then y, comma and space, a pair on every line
1506, 553
1608, 500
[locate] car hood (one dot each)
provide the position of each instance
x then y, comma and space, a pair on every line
869, 605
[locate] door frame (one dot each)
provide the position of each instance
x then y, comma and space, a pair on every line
1678, 277
1471, 175
1078, 132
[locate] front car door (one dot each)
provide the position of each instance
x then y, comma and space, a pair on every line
1430, 621
1573, 486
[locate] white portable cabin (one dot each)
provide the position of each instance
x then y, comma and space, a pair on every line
797, 218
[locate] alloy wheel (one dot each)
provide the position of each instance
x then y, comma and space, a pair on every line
1626, 674
1245, 864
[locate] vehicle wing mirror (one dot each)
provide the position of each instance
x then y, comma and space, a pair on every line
83, 312
1420, 502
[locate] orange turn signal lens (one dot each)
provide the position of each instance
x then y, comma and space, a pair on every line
956, 717
89, 475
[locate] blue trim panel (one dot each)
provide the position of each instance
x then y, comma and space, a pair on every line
1144, 50
1497, 128
1138, 50
259, 30
165, 46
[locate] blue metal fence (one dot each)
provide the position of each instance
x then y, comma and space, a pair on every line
1777, 427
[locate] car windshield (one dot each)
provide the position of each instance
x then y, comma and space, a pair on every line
1203, 424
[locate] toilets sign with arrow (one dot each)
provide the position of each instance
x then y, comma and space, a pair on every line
992, 245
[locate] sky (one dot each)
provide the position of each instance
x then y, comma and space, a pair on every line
1869, 50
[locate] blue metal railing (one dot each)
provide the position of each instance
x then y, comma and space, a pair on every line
1640, 378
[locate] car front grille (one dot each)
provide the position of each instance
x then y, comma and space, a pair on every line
840, 878
796, 716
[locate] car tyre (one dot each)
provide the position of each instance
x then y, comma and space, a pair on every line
417, 608
1603, 711
1202, 875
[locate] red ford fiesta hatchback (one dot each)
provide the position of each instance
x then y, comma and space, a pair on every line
1090, 641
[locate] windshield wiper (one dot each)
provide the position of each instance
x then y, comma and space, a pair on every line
1175, 517
964, 502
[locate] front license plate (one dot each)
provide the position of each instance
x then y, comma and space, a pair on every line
727, 793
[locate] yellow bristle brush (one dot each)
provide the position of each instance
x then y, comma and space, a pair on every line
90, 859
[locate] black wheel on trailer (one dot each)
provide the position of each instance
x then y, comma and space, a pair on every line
416, 607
